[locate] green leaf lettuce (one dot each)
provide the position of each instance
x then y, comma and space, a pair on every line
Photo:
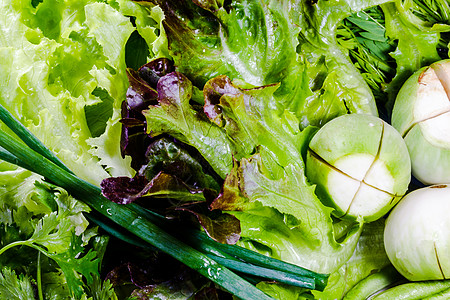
269, 42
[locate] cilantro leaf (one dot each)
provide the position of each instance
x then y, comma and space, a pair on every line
15, 287
61, 235
74, 263
52, 233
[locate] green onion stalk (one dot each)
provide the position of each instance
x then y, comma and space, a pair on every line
218, 262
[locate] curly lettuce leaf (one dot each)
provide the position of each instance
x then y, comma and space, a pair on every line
163, 186
269, 42
56, 58
369, 257
174, 158
148, 21
61, 62
283, 217
254, 118
337, 87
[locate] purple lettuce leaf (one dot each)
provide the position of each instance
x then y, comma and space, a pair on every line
140, 94
125, 190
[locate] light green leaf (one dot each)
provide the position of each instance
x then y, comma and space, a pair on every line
269, 42
15, 287
293, 224
369, 257
74, 264
53, 234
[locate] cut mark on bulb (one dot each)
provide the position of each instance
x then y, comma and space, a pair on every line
439, 186
377, 156
439, 262
322, 160
332, 167
352, 201
363, 181
392, 200
428, 80
424, 120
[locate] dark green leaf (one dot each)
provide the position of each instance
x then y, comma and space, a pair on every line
177, 159
367, 24
373, 36
98, 114
136, 51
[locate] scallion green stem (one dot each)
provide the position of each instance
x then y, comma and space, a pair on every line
257, 273
116, 231
147, 231
260, 260
8, 157
28, 138
262, 264
264, 273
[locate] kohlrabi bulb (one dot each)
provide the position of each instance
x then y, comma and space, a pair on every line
417, 237
422, 116
360, 165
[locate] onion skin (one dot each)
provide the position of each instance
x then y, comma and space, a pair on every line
417, 237
421, 114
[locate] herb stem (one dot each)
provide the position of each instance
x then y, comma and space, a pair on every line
39, 277
12, 245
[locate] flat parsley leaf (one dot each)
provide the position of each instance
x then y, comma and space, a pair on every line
15, 287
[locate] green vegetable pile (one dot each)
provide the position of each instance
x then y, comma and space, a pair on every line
136, 135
